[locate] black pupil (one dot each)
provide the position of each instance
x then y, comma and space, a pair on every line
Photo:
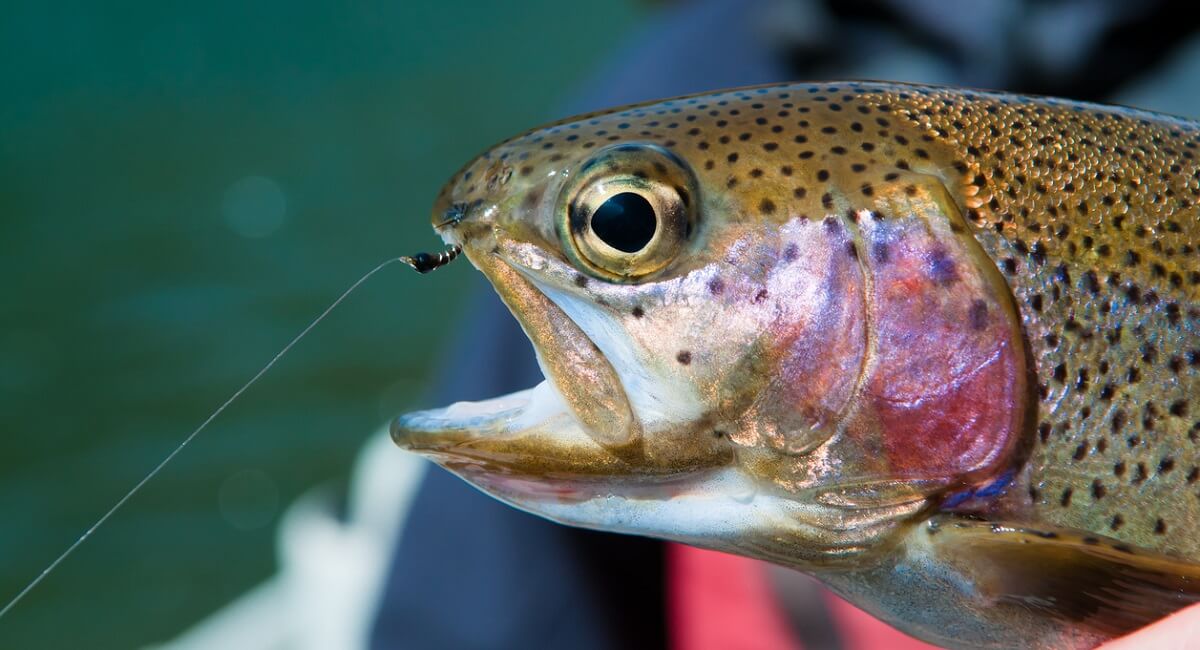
626, 221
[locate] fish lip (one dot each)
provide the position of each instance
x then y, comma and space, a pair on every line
528, 492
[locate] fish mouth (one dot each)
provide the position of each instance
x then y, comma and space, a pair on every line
523, 447
528, 450
530, 432
576, 423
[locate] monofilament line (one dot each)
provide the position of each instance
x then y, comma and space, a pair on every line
99, 522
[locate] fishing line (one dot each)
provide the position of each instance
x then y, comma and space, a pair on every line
421, 262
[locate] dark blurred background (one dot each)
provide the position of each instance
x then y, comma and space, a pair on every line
182, 188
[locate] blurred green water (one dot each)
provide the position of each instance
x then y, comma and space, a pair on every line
181, 189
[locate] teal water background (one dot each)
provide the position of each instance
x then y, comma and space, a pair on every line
182, 188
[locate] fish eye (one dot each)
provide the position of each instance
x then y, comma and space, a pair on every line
628, 211
625, 221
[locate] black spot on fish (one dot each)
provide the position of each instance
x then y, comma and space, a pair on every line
1139, 473
880, 252
716, 286
942, 269
791, 253
978, 315
1062, 274
1166, 465
638, 312
581, 280
684, 357
1038, 253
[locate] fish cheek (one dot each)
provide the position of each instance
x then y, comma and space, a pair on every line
947, 388
815, 350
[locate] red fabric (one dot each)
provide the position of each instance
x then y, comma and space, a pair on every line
717, 601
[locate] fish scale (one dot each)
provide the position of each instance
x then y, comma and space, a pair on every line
1083, 214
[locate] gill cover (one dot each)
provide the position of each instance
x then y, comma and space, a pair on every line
909, 374
945, 385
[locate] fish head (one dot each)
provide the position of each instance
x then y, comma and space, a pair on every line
706, 348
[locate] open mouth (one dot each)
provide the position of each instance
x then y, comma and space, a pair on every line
570, 448
574, 422
528, 450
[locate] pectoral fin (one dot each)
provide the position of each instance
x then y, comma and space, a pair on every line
1077, 578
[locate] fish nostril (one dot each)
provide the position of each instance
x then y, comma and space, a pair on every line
452, 216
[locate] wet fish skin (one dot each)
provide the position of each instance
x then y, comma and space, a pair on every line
880, 313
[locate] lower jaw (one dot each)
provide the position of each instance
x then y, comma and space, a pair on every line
521, 489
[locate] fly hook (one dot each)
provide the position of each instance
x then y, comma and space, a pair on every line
426, 262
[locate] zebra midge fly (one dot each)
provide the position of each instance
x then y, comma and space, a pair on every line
426, 262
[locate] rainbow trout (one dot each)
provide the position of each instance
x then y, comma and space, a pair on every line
936, 347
